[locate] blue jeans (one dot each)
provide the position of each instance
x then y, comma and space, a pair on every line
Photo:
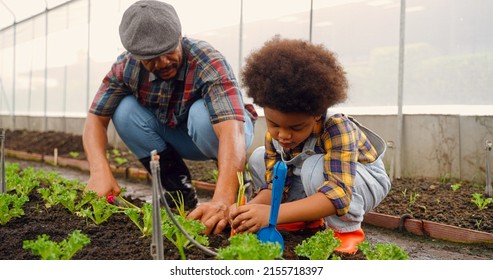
193, 139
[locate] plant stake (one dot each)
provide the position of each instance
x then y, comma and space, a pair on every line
157, 250
3, 185
488, 188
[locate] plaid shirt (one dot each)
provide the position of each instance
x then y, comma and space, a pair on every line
344, 144
204, 74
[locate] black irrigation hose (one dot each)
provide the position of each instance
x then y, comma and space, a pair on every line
177, 224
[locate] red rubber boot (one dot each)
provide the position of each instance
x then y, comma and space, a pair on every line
349, 240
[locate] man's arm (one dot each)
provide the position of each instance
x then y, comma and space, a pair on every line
94, 138
231, 159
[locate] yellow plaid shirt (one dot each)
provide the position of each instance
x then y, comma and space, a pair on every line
344, 144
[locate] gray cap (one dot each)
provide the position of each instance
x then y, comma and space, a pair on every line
149, 29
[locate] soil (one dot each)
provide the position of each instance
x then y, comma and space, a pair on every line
118, 238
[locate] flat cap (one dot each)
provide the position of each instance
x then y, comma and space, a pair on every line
150, 29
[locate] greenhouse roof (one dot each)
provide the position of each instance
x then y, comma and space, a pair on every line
14, 11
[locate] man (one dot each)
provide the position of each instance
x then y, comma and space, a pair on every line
178, 96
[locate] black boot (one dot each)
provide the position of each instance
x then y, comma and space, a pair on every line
175, 177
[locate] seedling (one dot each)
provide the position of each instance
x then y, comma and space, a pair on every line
319, 246
142, 218
174, 234
240, 198
480, 202
412, 198
214, 174
120, 160
455, 187
11, 206
116, 152
50, 250
23, 182
193, 228
74, 154
99, 210
247, 246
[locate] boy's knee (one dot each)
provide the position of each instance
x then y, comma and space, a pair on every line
257, 157
312, 173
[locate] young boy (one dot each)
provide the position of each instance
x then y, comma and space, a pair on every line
335, 167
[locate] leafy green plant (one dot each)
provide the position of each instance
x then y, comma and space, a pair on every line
99, 210
74, 154
214, 174
412, 198
23, 182
142, 218
480, 202
51, 250
56, 193
193, 228
382, 251
174, 234
11, 206
120, 160
319, 246
66, 193
247, 246
116, 152
456, 186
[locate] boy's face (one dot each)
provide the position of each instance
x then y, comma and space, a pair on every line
289, 129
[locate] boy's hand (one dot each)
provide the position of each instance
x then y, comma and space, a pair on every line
249, 217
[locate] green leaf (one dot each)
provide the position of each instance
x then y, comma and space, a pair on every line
247, 246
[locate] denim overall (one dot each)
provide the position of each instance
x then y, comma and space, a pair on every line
371, 183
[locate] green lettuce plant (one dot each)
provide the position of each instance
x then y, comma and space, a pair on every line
11, 206
51, 250
382, 251
141, 217
246, 246
480, 202
99, 210
319, 246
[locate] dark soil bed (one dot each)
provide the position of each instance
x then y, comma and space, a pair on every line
423, 198
116, 239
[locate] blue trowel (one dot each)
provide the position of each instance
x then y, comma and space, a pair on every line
270, 232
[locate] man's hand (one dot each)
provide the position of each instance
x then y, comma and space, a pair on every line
95, 139
103, 184
213, 214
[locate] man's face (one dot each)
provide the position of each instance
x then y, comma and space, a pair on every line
165, 66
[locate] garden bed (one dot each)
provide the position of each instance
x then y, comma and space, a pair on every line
438, 200
423, 198
117, 238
